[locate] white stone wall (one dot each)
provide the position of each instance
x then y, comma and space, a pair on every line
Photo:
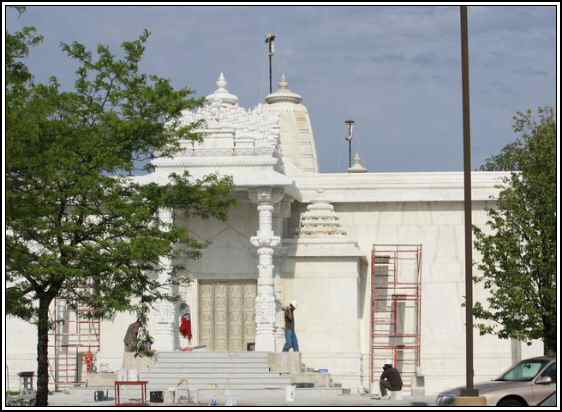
326, 319
21, 350
21, 346
111, 342
439, 228
332, 321
229, 253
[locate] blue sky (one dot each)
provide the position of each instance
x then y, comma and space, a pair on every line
395, 70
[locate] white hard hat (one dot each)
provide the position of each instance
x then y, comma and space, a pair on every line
388, 362
294, 303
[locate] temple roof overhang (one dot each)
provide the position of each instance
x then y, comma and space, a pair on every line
397, 187
246, 175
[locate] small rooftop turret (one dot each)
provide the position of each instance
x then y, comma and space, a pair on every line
357, 166
283, 94
222, 94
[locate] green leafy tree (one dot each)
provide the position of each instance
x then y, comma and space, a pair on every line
74, 214
519, 251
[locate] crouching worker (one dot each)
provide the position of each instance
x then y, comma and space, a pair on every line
390, 380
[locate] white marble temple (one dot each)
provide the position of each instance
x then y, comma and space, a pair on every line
298, 234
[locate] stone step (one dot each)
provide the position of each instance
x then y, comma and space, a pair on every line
218, 380
218, 390
216, 355
214, 371
207, 373
185, 361
191, 367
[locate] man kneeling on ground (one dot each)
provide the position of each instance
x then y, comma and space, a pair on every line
390, 379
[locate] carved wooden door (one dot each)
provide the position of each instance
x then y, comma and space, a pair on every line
227, 314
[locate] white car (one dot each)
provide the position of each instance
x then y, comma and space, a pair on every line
525, 384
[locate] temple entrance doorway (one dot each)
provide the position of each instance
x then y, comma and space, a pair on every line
227, 314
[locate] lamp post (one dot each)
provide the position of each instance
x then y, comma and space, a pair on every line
469, 390
349, 124
269, 40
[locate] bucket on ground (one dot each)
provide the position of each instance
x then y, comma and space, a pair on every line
290, 392
229, 399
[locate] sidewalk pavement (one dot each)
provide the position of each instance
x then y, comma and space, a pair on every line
262, 398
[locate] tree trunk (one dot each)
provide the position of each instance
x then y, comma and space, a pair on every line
43, 352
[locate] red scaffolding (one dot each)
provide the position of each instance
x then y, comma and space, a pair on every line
395, 310
73, 334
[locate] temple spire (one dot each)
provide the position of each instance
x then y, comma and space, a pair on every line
221, 93
283, 94
283, 83
221, 83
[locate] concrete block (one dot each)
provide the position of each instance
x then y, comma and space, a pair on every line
321, 380
101, 379
285, 362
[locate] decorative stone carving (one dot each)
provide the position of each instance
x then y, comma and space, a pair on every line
230, 130
320, 220
265, 241
266, 195
285, 207
320, 234
279, 326
265, 199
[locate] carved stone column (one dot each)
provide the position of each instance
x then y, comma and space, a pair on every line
164, 313
281, 212
279, 326
265, 241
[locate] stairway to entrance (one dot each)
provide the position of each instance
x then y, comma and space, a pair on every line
250, 378
214, 370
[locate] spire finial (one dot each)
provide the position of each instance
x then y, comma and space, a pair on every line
221, 82
283, 83
221, 94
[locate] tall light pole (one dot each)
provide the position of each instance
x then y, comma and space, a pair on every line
469, 390
349, 137
269, 40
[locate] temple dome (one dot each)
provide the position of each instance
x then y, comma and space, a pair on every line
283, 94
222, 94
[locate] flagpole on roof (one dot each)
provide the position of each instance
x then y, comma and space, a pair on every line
269, 40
